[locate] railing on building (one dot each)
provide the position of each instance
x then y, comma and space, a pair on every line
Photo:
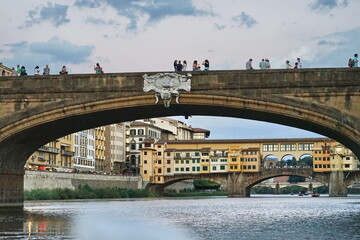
49, 149
67, 153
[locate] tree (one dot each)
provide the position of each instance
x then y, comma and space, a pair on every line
306, 161
201, 184
296, 179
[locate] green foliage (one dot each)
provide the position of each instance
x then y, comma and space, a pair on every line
262, 190
306, 161
86, 192
296, 179
321, 189
201, 184
293, 189
195, 194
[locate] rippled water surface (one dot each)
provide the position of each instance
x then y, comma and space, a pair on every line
258, 217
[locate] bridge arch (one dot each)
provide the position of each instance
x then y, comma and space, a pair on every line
59, 119
37, 109
306, 173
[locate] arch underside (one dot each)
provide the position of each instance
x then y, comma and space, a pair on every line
313, 177
25, 135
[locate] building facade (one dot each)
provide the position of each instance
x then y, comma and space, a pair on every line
168, 158
84, 146
54, 156
6, 71
115, 148
100, 149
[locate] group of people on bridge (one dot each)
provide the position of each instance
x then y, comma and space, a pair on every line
180, 66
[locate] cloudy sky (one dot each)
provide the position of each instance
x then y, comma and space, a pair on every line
138, 35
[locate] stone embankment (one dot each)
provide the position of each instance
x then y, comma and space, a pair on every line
51, 180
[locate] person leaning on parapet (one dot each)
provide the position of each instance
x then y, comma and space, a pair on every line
350, 63
267, 63
46, 70
206, 65
18, 70
63, 70
184, 66
195, 66
248, 65
356, 60
296, 65
98, 69
288, 65
299, 63
36, 70
262, 64
23, 71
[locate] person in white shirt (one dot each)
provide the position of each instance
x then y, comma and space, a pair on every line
262, 64
288, 65
249, 64
36, 70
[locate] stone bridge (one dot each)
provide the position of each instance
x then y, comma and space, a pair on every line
238, 184
35, 110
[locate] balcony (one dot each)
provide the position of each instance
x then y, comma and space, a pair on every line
49, 149
67, 153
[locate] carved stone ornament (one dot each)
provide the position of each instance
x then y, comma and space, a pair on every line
167, 85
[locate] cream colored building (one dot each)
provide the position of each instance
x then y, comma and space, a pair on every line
343, 159
6, 71
54, 156
115, 148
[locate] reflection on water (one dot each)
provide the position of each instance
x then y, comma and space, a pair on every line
260, 217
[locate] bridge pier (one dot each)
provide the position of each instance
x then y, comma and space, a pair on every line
310, 188
277, 188
156, 188
11, 190
237, 185
337, 186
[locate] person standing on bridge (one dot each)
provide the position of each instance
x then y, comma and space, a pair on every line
262, 64
206, 65
248, 65
184, 66
288, 65
175, 65
299, 64
195, 66
267, 63
356, 60
179, 66
46, 70
36, 70
98, 69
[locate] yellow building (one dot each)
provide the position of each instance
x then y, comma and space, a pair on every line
169, 158
54, 156
321, 158
99, 149
234, 159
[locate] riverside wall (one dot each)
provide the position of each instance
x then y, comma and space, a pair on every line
51, 180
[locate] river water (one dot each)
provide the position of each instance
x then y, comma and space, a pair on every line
258, 217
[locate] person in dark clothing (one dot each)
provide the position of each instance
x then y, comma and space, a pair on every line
179, 66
